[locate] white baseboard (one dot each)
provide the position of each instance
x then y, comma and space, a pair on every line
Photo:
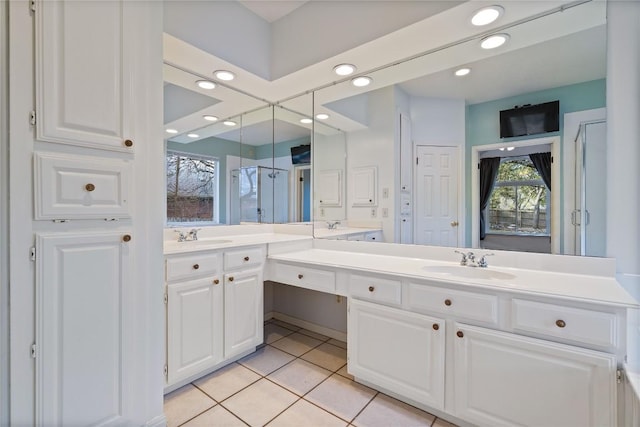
268, 316
332, 333
159, 421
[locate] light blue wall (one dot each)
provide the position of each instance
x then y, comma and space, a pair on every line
483, 122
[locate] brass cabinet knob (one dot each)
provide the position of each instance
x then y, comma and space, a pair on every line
436, 326
128, 143
89, 187
300, 276
560, 323
231, 278
371, 289
196, 266
246, 258
216, 281
447, 302
460, 334
126, 238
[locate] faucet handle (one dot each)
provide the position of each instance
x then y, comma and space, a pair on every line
194, 233
463, 261
483, 261
181, 236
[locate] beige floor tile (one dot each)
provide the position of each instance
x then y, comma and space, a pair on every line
266, 360
328, 356
314, 335
296, 344
299, 376
384, 411
273, 332
216, 417
303, 413
343, 371
260, 402
185, 403
227, 381
442, 423
285, 325
337, 343
341, 396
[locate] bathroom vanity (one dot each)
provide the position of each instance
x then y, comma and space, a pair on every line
525, 341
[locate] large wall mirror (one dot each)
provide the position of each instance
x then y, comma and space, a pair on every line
418, 134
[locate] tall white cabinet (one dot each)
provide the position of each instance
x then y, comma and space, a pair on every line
84, 156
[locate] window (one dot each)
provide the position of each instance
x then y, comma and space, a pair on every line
519, 203
192, 188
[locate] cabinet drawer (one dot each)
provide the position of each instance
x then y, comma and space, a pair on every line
584, 326
248, 257
191, 266
305, 277
73, 186
466, 305
375, 289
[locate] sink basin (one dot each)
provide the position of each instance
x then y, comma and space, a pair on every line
469, 272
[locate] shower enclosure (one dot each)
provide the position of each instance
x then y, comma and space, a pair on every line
259, 194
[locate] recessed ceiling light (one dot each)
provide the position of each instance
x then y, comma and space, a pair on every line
205, 84
229, 123
361, 81
487, 15
322, 116
210, 118
493, 41
462, 72
344, 69
306, 121
172, 131
508, 148
193, 135
224, 75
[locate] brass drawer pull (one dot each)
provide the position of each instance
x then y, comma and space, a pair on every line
460, 334
216, 281
231, 279
126, 238
89, 187
196, 266
371, 289
447, 302
560, 323
128, 143
436, 326
246, 258
300, 276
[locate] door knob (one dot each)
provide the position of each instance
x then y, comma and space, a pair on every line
454, 223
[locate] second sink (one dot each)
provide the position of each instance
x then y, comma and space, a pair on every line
468, 272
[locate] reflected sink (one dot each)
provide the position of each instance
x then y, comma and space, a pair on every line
468, 272
201, 242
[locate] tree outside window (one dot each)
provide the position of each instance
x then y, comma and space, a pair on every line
192, 188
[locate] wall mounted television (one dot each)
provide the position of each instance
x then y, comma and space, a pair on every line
301, 154
530, 119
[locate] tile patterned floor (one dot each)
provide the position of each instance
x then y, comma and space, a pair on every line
298, 378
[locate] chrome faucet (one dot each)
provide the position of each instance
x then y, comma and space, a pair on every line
332, 224
194, 233
181, 236
483, 261
469, 259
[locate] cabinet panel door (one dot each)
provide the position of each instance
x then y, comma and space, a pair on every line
83, 306
83, 84
194, 327
364, 186
329, 188
400, 351
243, 312
504, 379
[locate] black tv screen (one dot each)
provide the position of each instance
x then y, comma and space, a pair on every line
530, 119
301, 154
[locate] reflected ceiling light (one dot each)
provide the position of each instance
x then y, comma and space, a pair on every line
508, 148
344, 69
193, 135
322, 116
462, 72
229, 123
205, 84
361, 81
210, 118
493, 41
487, 15
306, 121
224, 75
172, 131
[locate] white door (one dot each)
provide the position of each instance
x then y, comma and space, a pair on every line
436, 196
84, 303
502, 379
243, 308
398, 350
194, 327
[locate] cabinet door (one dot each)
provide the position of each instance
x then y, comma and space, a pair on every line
364, 186
84, 302
83, 84
194, 327
243, 308
400, 351
329, 188
504, 379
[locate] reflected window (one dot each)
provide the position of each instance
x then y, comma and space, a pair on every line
192, 188
520, 201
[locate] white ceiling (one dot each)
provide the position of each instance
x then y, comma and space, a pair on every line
556, 50
271, 11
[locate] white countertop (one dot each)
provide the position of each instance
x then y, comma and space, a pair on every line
223, 241
593, 289
325, 233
